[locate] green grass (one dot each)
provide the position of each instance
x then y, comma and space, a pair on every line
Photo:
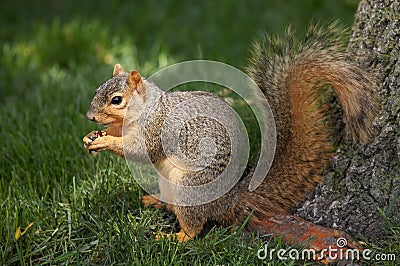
53, 54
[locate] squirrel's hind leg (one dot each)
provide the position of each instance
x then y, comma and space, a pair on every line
154, 201
190, 224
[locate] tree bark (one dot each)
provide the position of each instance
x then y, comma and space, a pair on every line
364, 181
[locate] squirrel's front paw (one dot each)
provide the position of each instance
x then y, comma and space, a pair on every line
90, 143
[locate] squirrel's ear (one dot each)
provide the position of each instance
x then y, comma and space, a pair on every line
118, 70
135, 81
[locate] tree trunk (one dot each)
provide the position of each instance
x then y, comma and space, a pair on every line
364, 181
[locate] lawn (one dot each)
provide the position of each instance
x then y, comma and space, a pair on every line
53, 54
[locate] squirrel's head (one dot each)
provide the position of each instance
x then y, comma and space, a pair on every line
111, 99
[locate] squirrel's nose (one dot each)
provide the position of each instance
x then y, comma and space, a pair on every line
91, 117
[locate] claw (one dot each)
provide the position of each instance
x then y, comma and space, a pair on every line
92, 136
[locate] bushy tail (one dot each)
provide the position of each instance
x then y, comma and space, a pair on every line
291, 75
285, 69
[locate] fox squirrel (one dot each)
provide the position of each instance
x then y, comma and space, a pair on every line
291, 75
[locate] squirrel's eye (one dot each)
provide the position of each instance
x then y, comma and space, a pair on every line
116, 100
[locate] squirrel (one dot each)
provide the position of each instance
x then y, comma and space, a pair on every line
291, 75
